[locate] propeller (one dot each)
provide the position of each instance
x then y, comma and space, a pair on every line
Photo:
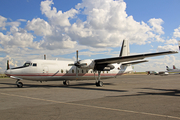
77, 64
8, 65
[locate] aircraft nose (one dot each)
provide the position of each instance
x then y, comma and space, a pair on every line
7, 72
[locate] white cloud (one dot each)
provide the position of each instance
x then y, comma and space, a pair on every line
2, 22
17, 37
171, 41
108, 21
156, 25
168, 48
107, 24
39, 26
57, 17
177, 32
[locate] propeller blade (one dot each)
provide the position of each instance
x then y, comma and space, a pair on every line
76, 73
76, 64
7, 64
71, 65
77, 55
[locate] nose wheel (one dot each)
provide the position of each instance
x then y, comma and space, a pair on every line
19, 84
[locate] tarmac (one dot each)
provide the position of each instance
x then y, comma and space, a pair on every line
128, 97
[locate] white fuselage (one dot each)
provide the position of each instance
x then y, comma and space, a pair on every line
173, 70
52, 70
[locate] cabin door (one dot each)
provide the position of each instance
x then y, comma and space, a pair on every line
45, 70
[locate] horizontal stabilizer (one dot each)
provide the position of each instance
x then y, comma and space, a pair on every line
135, 62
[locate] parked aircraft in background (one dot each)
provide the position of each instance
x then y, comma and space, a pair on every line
162, 73
88, 69
172, 70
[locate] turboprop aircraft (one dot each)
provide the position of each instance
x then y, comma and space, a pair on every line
88, 69
172, 70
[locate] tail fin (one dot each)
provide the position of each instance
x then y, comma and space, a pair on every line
167, 68
174, 67
124, 48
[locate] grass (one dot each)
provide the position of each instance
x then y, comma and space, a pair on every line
139, 73
3, 76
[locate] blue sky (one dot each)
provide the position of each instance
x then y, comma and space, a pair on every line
31, 28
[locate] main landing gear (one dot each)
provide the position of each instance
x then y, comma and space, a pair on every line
98, 82
19, 84
66, 82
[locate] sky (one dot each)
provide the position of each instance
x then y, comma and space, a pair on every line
31, 28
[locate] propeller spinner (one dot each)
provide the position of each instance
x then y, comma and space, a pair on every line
77, 64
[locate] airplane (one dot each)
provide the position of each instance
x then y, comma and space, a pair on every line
168, 69
172, 70
174, 67
88, 69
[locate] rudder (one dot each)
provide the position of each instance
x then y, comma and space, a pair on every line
124, 48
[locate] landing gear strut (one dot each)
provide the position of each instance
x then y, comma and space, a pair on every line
66, 82
19, 84
98, 82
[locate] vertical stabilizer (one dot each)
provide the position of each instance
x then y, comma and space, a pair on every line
124, 48
174, 67
167, 68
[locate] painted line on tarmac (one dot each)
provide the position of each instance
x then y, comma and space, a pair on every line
91, 106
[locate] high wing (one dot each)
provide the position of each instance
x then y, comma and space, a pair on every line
130, 57
135, 62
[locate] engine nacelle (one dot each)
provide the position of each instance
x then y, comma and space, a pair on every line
104, 67
87, 64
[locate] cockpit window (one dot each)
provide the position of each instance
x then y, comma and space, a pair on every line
27, 64
34, 64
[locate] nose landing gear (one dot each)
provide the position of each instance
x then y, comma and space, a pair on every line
19, 84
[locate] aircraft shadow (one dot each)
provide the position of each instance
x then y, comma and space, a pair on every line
82, 86
167, 92
163, 92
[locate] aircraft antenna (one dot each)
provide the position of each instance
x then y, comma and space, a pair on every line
44, 56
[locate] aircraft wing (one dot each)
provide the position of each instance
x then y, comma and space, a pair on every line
130, 57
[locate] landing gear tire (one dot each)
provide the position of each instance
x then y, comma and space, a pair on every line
99, 84
19, 84
66, 82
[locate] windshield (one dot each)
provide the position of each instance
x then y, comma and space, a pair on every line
27, 64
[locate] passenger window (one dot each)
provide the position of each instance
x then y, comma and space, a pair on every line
66, 71
72, 70
34, 64
61, 71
